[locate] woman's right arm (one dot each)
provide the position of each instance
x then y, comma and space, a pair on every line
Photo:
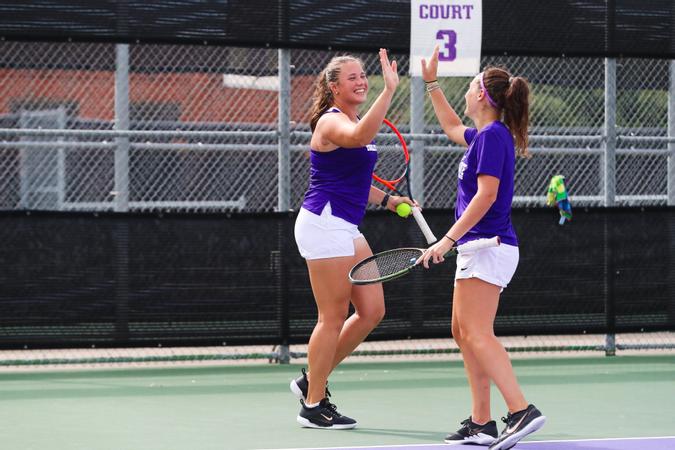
447, 117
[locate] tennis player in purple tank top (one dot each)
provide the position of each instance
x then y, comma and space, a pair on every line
498, 105
342, 156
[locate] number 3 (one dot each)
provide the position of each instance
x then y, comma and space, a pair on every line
449, 51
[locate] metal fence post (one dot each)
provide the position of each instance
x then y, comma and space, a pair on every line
121, 190
61, 163
609, 190
284, 194
671, 136
610, 283
609, 158
284, 189
671, 175
121, 193
417, 145
417, 92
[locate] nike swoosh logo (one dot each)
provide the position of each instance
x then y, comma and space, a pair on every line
327, 418
463, 268
510, 430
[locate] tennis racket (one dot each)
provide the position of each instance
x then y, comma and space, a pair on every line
392, 171
392, 264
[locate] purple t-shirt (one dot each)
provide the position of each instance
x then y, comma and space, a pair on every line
490, 152
343, 178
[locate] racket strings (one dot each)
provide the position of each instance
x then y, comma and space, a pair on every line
386, 264
391, 165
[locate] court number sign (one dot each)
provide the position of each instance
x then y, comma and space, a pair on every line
455, 26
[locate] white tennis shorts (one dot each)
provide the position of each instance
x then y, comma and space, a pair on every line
496, 265
324, 236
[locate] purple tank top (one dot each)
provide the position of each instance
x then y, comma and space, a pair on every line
490, 152
343, 178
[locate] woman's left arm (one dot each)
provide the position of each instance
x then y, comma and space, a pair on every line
488, 186
475, 210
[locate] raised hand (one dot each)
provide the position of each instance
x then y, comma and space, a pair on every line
430, 68
389, 70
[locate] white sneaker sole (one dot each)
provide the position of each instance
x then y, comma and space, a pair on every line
296, 391
307, 424
512, 440
479, 439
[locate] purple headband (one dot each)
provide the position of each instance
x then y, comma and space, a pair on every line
487, 94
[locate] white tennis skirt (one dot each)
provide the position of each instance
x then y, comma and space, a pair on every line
324, 236
496, 265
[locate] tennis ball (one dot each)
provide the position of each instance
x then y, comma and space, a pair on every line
403, 209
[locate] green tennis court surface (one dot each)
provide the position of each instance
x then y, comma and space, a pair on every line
396, 404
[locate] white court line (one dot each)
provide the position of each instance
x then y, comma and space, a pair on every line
353, 447
446, 445
357, 448
601, 439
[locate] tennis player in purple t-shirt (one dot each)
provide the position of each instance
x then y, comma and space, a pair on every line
342, 157
498, 105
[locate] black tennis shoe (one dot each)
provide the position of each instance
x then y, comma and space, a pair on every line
472, 433
518, 425
325, 415
300, 385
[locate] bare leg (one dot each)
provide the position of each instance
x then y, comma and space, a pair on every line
479, 381
476, 304
368, 303
332, 291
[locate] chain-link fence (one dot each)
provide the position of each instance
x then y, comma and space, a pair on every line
203, 128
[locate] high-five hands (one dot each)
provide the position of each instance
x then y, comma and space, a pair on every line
430, 69
388, 70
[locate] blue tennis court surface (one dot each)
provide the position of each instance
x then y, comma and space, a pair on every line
643, 443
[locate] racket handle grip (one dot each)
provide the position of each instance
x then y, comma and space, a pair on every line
478, 244
424, 226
